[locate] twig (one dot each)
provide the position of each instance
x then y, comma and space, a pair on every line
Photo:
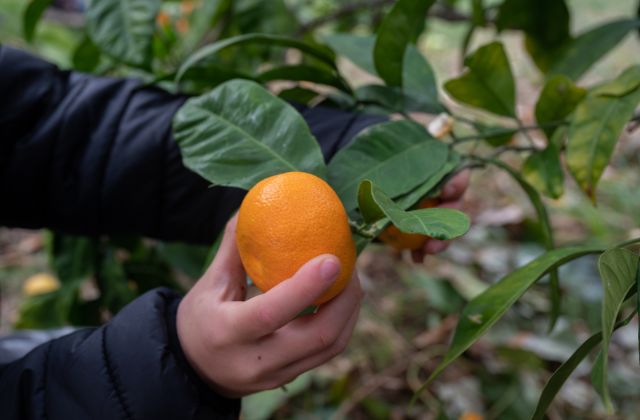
440, 12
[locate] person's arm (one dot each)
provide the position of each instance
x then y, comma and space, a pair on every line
131, 368
163, 357
94, 155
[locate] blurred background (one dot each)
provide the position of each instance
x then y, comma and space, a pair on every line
410, 309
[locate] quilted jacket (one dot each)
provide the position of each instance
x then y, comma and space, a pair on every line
93, 155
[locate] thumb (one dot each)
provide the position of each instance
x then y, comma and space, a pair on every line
267, 312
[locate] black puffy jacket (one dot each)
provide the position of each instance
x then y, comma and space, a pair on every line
90, 155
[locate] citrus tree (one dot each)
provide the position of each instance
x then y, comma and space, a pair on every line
245, 62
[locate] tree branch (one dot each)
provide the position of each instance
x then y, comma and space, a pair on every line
438, 11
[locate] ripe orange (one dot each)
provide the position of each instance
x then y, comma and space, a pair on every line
286, 220
399, 240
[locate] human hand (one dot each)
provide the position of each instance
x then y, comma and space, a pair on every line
240, 347
450, 197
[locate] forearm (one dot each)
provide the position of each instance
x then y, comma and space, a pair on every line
131, 367
90, 155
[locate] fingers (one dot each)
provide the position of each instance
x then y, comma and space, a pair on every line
290, 372
456, 186
319, 332
270, 311
226, 273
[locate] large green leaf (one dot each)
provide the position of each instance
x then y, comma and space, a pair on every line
394, 100
123, 29
398, 28
407, 200
419, 81
398, 156
559, 97
32, 15
561, 374
488, 307
547, 21
419, 91
239, 133
618, 269
488, 83
358, 49
86, 56
595, 128
439, 223
543, 171
582, 52
263, 39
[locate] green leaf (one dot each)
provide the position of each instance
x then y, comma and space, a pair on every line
204, 76
303, 72
419, 81
113, 282
595, 128
543, 171
123, 29
438, 223
398, 28
558, 98
358, 49
589, 47
239, 134
262, 405
393, 100
561, 374
543, 218
495, 136
206, 17
535, 199
246, 39
298, 94
429, 186
546, 21
618, 269
487, 308
624, 84
86, 56
48, 310
398, 156
488, 83
32, 15
71, 257
419, 92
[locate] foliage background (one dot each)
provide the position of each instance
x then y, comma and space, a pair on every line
411, 309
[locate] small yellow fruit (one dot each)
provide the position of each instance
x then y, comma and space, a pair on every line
39, 284
288, 219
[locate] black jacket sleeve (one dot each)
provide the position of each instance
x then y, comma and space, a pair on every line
130, 368
91, 155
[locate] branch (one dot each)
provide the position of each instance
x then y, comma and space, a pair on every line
438, 11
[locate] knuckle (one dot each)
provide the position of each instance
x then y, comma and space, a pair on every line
339, 347
266, 317
326, 337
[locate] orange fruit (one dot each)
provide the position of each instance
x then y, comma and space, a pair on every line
399, 240
286, 220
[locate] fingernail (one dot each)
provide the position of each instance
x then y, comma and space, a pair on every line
329, 269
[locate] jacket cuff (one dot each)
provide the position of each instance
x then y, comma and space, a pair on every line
208, 396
